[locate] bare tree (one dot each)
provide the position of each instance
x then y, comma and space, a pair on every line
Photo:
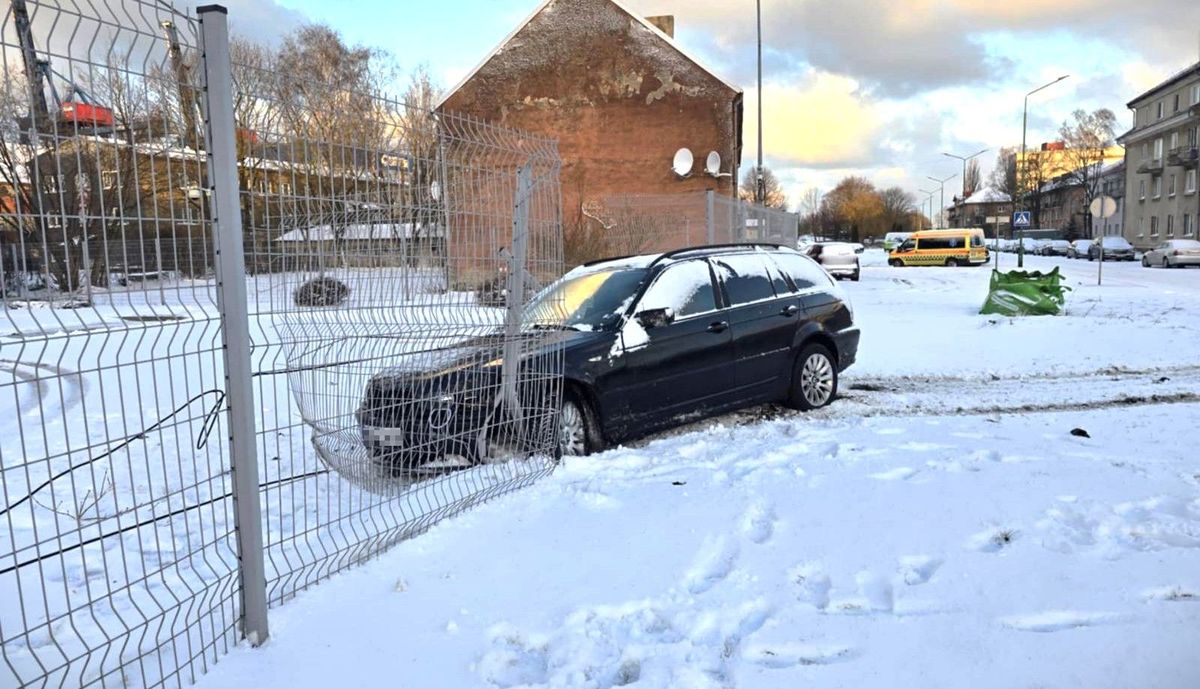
971, 182
898, 207
773, 197
1086, 138
1004, 175
855, 208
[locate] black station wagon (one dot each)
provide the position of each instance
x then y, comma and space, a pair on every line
646, 342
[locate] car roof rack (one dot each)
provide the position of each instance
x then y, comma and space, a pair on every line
702, 250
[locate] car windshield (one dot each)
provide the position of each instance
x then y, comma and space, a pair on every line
588, 301
1116, 243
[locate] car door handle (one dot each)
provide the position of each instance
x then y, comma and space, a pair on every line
790, 311
718, 327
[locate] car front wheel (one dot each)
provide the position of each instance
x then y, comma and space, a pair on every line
814, 378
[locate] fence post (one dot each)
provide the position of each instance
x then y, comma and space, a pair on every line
710, 203
235, 321
515, 298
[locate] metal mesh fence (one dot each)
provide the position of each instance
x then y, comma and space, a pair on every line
638, 224
117, 563
399, 374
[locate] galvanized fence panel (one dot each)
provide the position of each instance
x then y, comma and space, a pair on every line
648, 223
388, 266
117, 557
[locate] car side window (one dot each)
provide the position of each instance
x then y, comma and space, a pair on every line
746, 278
805, 274
686, 288
976, 240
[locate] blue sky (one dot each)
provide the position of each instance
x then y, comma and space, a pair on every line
873, 87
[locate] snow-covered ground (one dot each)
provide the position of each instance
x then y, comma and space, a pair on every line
939, 526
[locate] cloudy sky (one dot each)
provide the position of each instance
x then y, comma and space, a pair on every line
878, 88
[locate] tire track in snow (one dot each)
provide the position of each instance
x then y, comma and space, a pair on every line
72, 384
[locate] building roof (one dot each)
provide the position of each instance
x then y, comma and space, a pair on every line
619, 5
987, 195
1190, 70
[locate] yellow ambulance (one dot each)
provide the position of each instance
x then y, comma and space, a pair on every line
949, 248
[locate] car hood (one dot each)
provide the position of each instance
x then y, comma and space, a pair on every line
486, 352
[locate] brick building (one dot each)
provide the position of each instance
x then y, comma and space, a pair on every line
618, 95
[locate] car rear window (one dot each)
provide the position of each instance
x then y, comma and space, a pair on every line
803, 271
746, 278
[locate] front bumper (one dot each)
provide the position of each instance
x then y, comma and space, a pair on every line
846, 342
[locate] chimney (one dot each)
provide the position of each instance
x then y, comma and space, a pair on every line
664, 23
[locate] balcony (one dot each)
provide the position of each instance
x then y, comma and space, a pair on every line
1151, 165
1185, 156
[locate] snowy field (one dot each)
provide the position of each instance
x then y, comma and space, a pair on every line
938, 526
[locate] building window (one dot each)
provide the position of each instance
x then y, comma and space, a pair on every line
1174, 140
108, 179
1158, 187
1158, 149
1189, 186
1135, 122
1145, 150
1141, 230
1192, 137
1195, 94
1142, 190
1188, 230
1170, 226
1176, 102
1160, 110
1171, 187
1153, 226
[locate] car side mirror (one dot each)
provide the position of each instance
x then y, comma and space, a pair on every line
655, 318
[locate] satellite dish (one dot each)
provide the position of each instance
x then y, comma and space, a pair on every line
435, 190
713, 164
683, 162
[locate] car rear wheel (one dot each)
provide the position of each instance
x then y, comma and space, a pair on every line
1145, 262
1166, 262
895, 263
857, 274
952, 263
814, 378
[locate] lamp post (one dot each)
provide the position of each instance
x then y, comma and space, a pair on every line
942, 187
929, 200
760, 190
964, 160
1021, 164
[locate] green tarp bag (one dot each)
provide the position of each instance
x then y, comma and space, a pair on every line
1021, 293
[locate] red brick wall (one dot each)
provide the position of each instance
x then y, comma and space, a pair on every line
618, 98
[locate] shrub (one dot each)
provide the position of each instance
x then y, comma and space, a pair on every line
322, 291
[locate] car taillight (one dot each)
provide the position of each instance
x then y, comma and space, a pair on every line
1175, 252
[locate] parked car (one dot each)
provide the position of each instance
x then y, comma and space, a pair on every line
1176, 253
1115, 249
949, 248
891, 240
839, 259
1054, 247
1079, 248
858, 247
645, 343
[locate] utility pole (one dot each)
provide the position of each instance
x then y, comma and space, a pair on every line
760, 190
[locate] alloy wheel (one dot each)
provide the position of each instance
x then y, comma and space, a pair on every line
572, 431
816, 379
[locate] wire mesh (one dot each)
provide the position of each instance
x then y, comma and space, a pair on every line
117, 565
384, 336
641, 224
399, 378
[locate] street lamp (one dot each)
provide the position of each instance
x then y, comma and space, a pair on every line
942, 187
929, 200
964, 160
1022, 163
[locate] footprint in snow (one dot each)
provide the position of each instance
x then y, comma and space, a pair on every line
758, 523
1058, 620
812, 585
917, 569
992, 540
713, 563
790, 655
897, 474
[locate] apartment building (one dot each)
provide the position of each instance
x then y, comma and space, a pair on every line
1162, 155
